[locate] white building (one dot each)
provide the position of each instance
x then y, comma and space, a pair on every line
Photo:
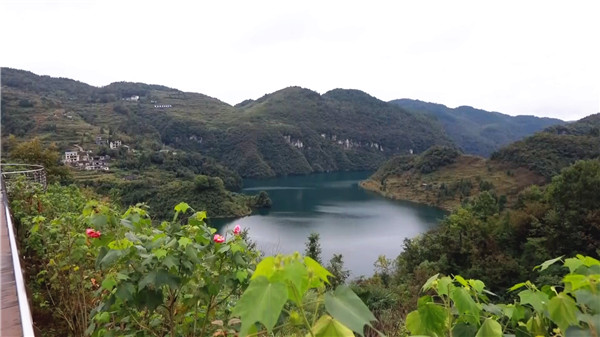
115, 144
71, 157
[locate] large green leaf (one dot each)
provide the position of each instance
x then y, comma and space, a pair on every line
148, 279
261, 302
478, 285
433, 317
109, 283
465, 304
98, 220
110, 257
317, 269
573, 263
490, 328
537, 299
535, 326
589, 299
345, 306
182, 207
265, 268
444, 285
563, 311
295, 275
163, 277
327, 326
548, 263
414, 324
464, 330
429, 282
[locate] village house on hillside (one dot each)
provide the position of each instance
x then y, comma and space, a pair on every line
84, 161
101, 141
115, 144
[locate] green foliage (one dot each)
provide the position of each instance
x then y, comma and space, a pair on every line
279, 291
435, 157
170, 279
34, 152
480, 240
313, 247
336, 268
463, 307
60, 258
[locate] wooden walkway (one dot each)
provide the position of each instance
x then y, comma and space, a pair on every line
10, 310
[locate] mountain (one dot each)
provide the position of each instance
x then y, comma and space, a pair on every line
547, 152
477, 131
291, 131
445, 177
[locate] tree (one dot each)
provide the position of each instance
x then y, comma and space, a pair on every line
576, 203
313, 247
336, 267
33, 152
262, 200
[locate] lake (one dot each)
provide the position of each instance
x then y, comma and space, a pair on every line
359, 224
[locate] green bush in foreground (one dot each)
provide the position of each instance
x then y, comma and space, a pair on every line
459, 307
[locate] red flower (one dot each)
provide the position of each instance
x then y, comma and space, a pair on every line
219, 238
237, 229
92, 233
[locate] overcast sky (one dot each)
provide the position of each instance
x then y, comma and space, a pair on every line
516, 57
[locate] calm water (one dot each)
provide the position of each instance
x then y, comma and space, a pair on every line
356, 223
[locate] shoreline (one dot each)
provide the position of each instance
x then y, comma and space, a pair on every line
374, 186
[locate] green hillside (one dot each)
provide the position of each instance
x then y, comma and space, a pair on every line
291, 131
547, 152
477, 131
446, 178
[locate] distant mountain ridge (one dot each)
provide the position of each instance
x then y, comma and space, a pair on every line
477, 131
290, 131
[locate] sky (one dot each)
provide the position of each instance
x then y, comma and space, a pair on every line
516, 57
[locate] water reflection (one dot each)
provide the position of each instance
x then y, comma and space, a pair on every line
356, 223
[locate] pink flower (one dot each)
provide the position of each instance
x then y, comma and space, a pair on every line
237, 229
91, 233
219, 238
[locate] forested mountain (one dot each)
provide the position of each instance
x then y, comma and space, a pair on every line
445, 177
291, 131
477, 131
547, 152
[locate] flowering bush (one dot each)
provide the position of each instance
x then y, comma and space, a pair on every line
91, 233
170, 279
54, 228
